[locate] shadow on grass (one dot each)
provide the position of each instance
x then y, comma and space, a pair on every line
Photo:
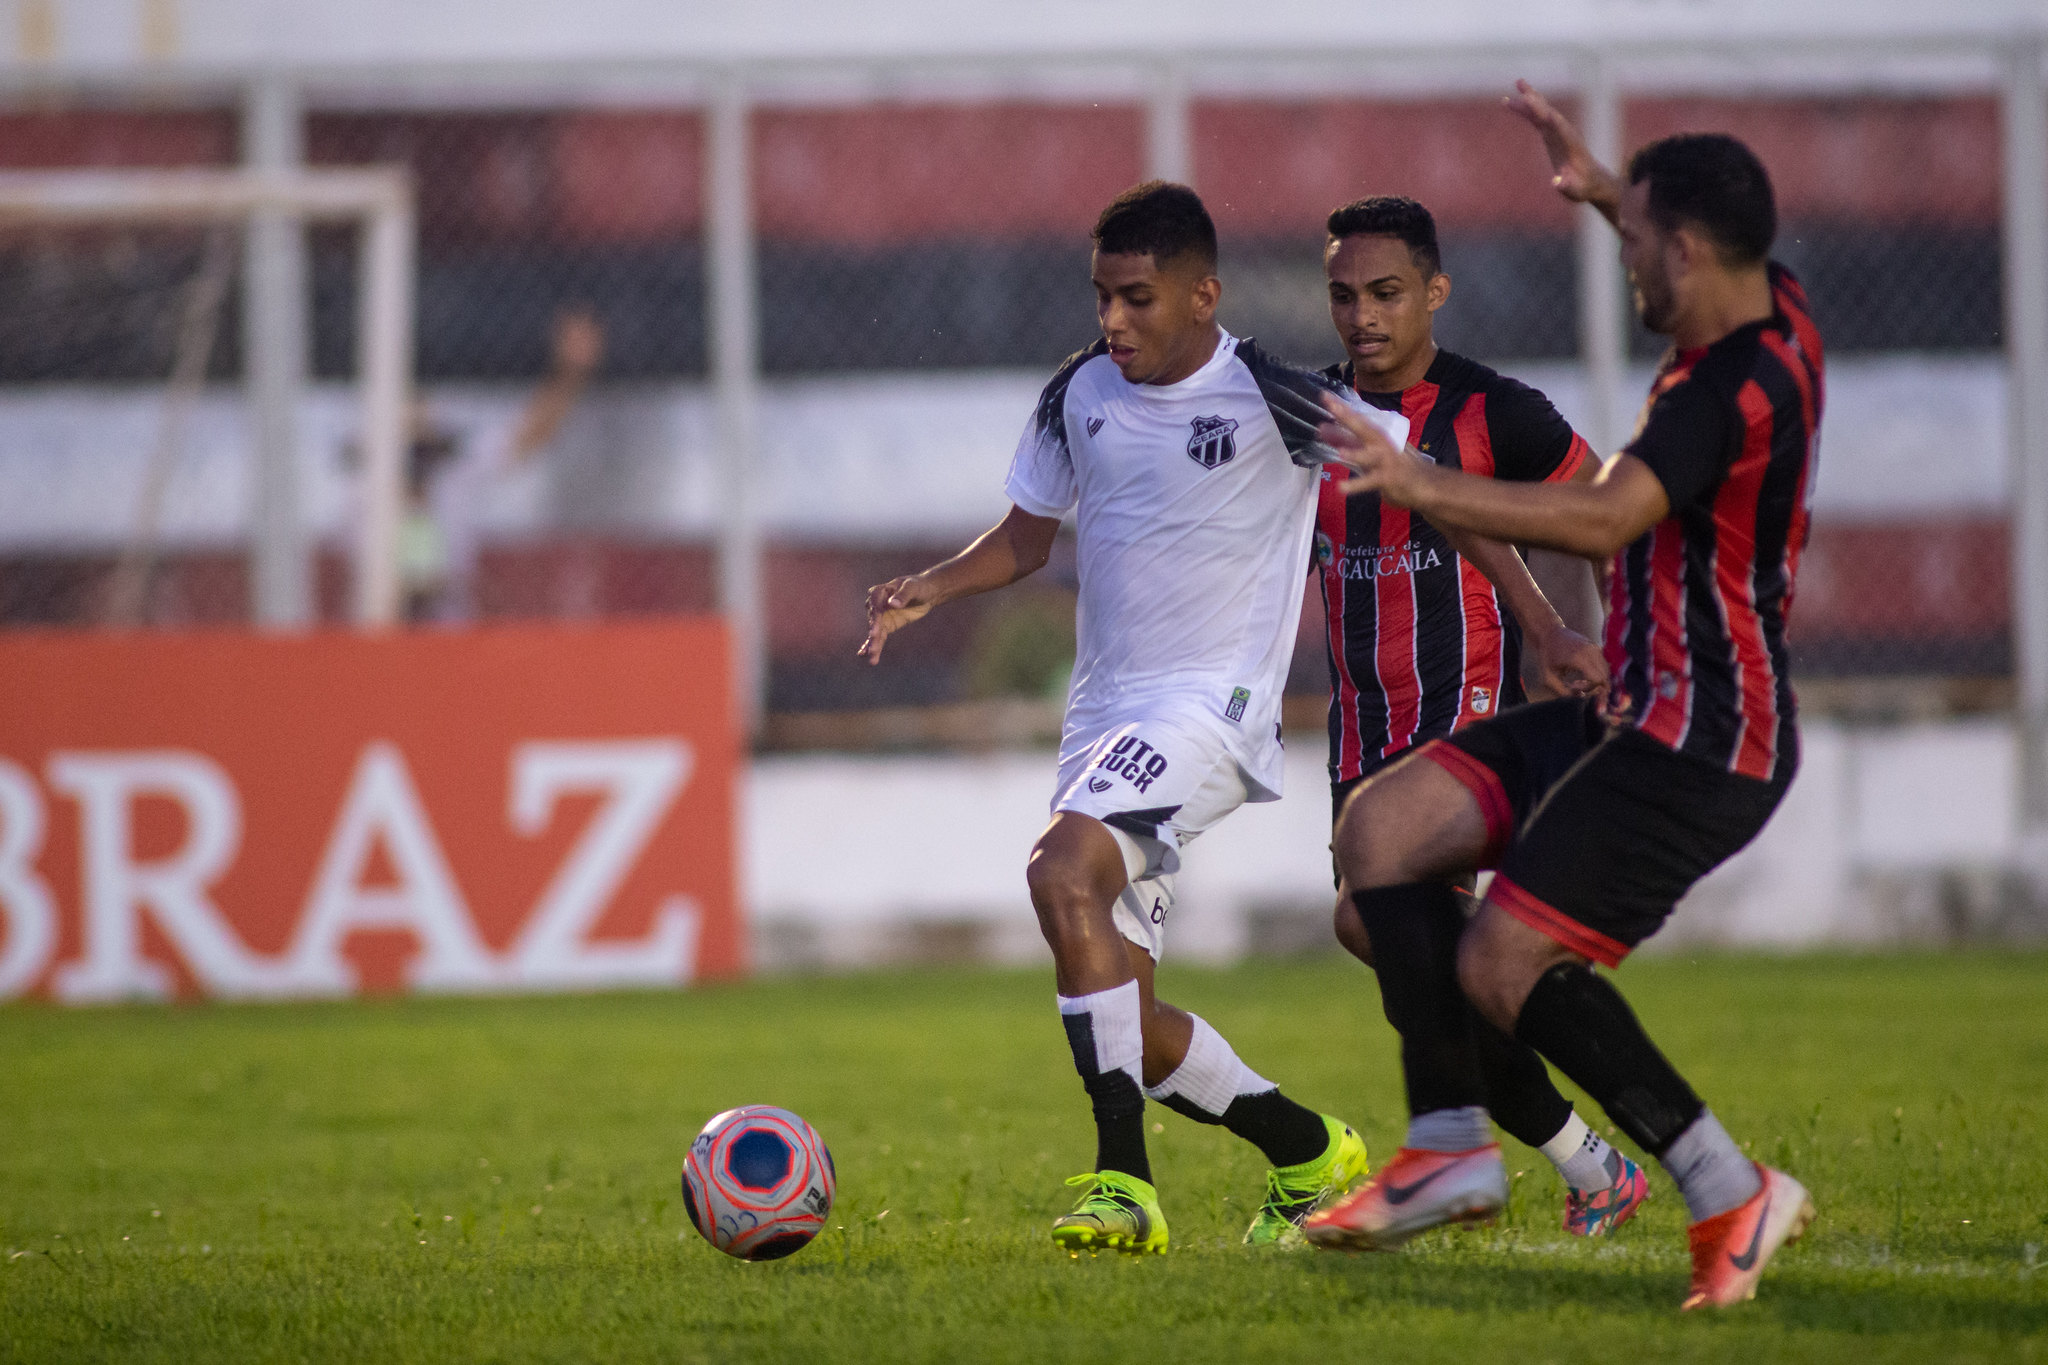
1816, 1298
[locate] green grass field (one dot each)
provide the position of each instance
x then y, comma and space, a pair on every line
497, 1179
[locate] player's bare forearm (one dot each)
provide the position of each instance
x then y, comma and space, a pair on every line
1591, 520
1572, 587
1559, 661
1014, 548
1519, 592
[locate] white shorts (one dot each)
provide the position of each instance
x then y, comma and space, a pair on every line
1156, 781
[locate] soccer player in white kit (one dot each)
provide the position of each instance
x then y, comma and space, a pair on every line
1191, 459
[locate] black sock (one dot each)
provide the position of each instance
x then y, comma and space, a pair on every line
1415, 929
1120, 1137
1288, 1133
1520, 1095
1118, 1103
1581, 1023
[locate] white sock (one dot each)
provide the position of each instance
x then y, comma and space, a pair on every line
1584, 1158
1709, 1169
1450, 1130
1110, 1021
1210, 1076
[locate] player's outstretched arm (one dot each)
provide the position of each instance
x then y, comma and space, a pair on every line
1015, 547
1575, 172
1593, 520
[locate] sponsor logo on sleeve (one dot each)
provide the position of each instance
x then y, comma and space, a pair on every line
1094, 425
1214, 442
1239, 699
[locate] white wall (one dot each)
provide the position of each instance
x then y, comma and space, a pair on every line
861, 458
1886, 836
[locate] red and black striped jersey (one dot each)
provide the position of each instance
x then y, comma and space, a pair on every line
1697, 610
1416, 640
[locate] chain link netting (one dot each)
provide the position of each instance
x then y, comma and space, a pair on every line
938, 245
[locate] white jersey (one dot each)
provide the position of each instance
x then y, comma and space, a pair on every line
1196, 501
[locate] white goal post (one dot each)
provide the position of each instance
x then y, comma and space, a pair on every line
380, 202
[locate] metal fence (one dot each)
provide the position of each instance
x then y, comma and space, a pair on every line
942, 242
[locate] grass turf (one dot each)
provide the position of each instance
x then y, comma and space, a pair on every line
496, 1180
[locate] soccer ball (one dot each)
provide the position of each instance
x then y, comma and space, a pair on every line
758, 1182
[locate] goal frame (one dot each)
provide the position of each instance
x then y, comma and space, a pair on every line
379, 203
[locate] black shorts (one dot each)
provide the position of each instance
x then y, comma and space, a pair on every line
1596, 829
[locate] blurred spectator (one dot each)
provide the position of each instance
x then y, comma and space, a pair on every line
450, 477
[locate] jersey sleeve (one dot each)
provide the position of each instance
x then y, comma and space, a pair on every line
1041, 477
1686, 440
1532, 443
1042, 471
1294, 397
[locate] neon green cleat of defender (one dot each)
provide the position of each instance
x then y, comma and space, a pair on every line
1118, 1213
1295, 1192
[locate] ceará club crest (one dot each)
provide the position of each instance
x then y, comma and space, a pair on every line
1214, 442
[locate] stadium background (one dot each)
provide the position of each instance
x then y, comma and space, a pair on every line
914, 247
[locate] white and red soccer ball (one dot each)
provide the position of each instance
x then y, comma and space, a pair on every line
758, 1182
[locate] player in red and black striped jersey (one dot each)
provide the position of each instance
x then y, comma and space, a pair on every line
1421, 642
1697, 607
1598, 823
1418, 641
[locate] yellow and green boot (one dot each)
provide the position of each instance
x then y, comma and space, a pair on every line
1295, 1192
1119, 1212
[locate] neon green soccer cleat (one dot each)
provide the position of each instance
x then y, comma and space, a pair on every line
1119, 1213
1295, 1192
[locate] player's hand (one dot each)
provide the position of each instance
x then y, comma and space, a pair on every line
1575, 172
892, 606
1567, 664
1382, 467
579, 342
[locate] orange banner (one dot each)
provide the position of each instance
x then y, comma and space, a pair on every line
224, 814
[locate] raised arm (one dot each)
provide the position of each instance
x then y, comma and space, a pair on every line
1575, 172
1014, 548
578, 350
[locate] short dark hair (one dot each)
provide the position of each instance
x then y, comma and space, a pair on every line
1392, 215
1714, 183
1159, 219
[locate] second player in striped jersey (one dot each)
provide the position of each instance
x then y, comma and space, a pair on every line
1419, 646
1418, 637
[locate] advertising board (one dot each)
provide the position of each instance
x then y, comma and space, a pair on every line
221, 814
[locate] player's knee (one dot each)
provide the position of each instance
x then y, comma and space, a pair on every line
1064, 895
1367, 848
1351, 929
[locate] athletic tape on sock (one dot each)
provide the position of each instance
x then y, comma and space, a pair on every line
1581, 1156
1567, 1139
